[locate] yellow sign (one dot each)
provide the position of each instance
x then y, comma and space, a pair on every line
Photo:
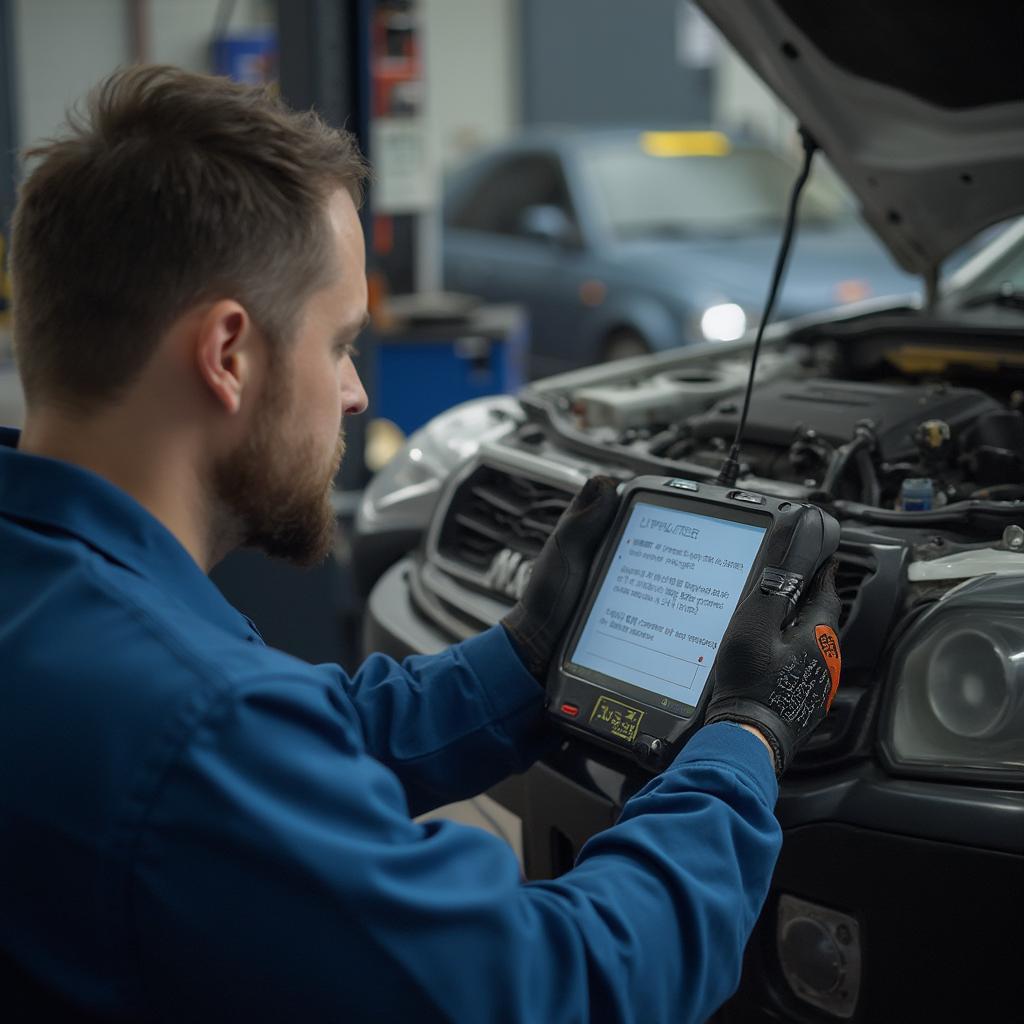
684, 144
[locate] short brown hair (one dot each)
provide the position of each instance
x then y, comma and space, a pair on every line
169, 188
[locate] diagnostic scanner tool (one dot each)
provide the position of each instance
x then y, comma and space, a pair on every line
635, 671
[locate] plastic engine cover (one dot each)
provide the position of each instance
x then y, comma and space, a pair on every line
780, 410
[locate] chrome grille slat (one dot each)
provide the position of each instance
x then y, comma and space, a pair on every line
495, 510
851, 573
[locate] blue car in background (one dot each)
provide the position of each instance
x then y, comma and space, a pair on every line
622, 242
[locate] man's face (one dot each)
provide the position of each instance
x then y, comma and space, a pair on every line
277, 487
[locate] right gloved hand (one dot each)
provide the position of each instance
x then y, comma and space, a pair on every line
780, 681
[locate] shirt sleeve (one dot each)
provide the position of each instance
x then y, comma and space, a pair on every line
278, 876
450, 725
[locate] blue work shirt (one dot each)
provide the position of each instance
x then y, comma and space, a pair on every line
194, 826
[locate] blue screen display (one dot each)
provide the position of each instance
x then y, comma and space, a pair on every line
666, 600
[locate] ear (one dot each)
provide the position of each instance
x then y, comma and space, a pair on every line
226, 352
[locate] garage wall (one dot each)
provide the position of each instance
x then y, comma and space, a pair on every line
596, 62
180, 30
472, 73
741, 100
491, 64
63, 47
8, 124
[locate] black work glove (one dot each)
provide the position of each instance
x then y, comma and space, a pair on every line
538, 622
781, 681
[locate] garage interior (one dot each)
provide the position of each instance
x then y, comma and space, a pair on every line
576, 210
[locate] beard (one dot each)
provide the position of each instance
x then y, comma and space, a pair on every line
279, 500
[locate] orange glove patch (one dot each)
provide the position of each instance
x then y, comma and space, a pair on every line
828, 644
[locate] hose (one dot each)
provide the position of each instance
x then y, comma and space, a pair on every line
1000, 492
871, 490
854, 451
959, 512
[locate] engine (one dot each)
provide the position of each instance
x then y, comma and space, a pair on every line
911, 446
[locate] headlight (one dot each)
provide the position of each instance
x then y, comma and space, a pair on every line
402, 496
725, 321
957, 703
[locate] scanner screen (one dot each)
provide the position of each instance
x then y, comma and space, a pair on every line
666, 600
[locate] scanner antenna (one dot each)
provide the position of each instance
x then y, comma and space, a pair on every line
731, 467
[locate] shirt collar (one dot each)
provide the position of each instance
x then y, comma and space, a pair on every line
78, 502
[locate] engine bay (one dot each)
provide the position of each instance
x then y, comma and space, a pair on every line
871, 420
909, 430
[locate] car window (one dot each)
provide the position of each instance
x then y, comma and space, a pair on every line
497, 201
996, 263
644, 194
1008, 274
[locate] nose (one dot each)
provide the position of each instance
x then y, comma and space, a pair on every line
353, 394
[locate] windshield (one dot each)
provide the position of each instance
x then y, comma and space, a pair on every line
1007, 276
995, 269
743, 190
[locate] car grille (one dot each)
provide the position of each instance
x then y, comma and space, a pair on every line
496, 512
853, 569
493, 510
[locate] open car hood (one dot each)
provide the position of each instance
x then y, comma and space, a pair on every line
918, 105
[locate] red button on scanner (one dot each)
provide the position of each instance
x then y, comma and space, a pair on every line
571, 710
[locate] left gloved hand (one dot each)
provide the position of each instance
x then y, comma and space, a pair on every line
538, 622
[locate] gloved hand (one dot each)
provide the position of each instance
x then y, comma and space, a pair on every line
538, 622
781, 681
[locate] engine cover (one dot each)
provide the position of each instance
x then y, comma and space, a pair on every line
781, 409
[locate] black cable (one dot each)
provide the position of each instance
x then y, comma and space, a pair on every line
855, 452
871, 493
999, 492
956, 513
841, 461
731, 467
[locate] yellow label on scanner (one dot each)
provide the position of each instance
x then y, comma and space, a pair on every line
616, 718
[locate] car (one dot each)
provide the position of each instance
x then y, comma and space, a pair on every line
621, 241
898, 891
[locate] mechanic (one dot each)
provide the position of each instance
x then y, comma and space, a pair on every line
194, 826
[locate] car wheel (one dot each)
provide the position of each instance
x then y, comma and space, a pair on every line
623, 344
